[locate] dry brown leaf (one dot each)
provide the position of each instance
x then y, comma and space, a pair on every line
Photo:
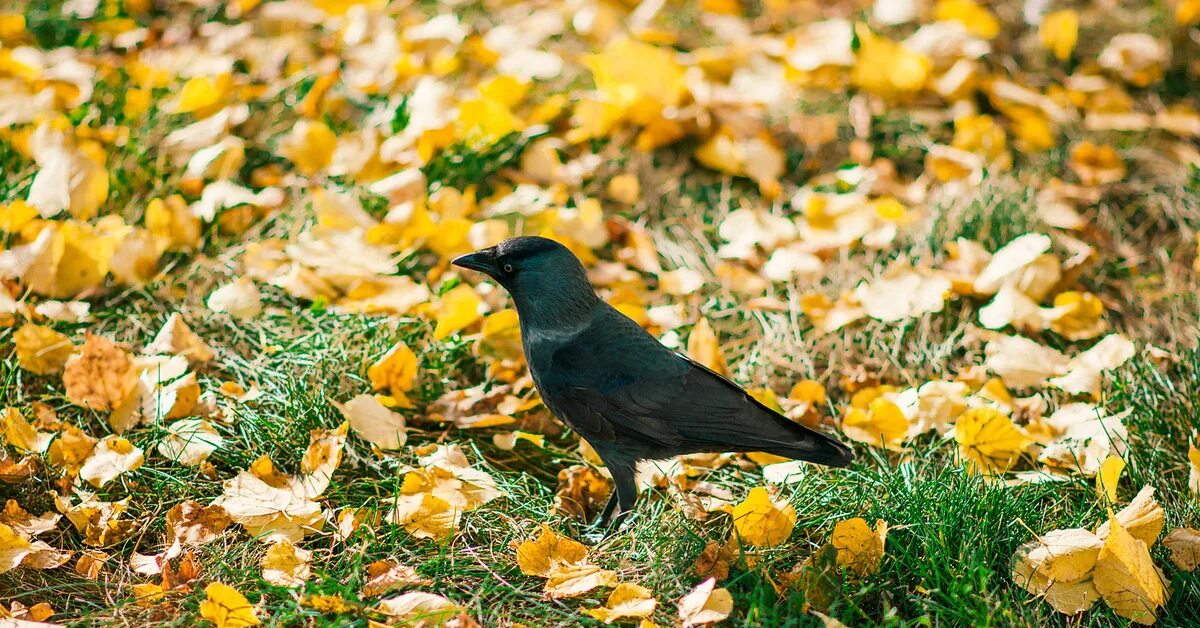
192, 524
100, 376
1184, 544
582, 492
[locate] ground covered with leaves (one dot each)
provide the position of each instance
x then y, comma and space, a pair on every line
241, 382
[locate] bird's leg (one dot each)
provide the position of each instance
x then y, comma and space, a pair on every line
608, 509
625, 495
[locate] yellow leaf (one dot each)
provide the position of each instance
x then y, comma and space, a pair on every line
706, 604
1143, 518
1059, 32
762, 521
882, 424
456, 310
1184, 544
418, 609
374, 422
15, 215
886, 68
501, 336
628, 600
977, 19
42, 350
633, 74
201, 92
68, 259
101, 376
989, 441
703, 347
624, 188
224, 606
1194, 468
286, 565
575, 579
537, 557
395, 371
1126, 577
176, 338
1107, 477
1187, 12
173, 223
1058, 566
310, 146
425, 516
859, 548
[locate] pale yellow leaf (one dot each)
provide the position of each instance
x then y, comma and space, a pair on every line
705, 604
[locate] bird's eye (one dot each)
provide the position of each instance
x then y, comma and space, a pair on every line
508, 268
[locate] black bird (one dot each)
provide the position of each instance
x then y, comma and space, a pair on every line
631, 397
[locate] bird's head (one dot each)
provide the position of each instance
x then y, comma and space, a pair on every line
542, 275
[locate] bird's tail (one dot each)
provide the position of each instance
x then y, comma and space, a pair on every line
805, 444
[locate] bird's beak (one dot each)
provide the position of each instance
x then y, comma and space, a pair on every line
482, 261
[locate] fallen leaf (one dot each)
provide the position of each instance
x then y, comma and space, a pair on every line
704, 348
1184, 544
538, 557
582, 492
456, 310
41, 350
286, 565
574, 579
1058, 566
385, 575
17, 551
425, 516
762, 521
989, 441
239, 299
627, 601
100, 376
374, 422
111, 457
859, 548
1107, 477
418, 609
192, 524
176, 338
190, 441
881, 424
705, 604
224, 606
1143, 518
1126, 577
396, 371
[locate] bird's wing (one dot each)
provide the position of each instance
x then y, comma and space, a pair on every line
625, 384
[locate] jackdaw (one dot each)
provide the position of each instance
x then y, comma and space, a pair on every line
612, 382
